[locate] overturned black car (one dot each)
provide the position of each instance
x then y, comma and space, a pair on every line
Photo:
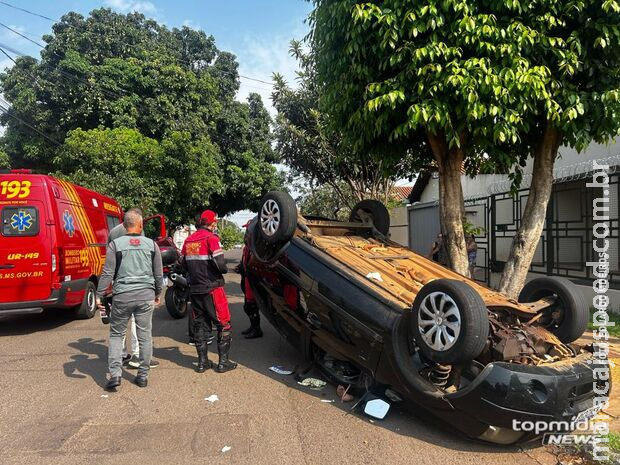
346, 296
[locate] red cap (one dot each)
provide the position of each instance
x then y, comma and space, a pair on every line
208, 217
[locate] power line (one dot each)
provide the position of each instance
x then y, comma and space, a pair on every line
8, 56
10, 113
29, 12
21, 35
75, 27
110, 93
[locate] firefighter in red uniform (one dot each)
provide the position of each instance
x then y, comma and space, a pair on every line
203, 258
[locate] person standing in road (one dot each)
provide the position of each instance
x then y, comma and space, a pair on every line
203, 258
131, 360
133, 266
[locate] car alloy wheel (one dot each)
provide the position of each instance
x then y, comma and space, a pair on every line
270, 217
439, 321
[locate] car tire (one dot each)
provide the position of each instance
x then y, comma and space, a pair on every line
572, 319
175, 302
277, 218
449, 322
377, 211
88, 308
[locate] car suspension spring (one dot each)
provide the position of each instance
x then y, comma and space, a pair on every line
439, 375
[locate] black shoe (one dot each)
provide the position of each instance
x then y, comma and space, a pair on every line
141, 381
113, 383
126, 359
254, 333
223, 349
154, 363
247, 331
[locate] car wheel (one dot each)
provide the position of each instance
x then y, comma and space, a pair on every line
277, 217
88, 308
568, 317
175, 302
376, 210
450, 322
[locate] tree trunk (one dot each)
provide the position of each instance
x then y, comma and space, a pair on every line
525, 241
451, 206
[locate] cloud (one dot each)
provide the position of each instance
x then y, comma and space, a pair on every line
260, 57
126, 6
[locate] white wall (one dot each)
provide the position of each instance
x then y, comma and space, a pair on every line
568, 164
399, 225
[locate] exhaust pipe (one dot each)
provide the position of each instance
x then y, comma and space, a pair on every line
178, 279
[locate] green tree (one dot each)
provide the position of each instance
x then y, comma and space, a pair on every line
243, 135
308, 142
172, 86
5, 161
477, 83
325, 201
230, 234
172, 177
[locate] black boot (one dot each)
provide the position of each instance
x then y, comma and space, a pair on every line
223, 349
203, 361
250, 309
255, 330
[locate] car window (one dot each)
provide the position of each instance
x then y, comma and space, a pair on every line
112, 222
20, 221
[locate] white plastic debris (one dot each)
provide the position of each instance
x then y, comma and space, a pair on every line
226, 449
104, 396
279, 369
313, 383
375, 275
212, 398
327, 401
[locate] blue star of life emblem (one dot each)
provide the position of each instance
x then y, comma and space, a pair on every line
21, 221
67, 218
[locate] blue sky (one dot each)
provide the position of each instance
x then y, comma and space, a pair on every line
257, 31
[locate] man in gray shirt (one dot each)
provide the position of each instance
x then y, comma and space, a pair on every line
133, 266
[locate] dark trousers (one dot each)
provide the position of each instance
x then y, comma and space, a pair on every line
204, 315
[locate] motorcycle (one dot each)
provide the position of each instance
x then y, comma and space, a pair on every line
177, 295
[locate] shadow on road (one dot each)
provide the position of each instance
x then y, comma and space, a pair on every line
20, 325
92, 362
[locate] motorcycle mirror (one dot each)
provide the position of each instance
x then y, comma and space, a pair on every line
377, 408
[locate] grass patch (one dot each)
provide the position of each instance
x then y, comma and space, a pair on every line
613, 330
614, 441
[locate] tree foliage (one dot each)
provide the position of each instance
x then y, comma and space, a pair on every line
481, 82
230, 234
136, 81
5, 161
315, 149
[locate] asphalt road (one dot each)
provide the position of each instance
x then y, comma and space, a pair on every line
53, 408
